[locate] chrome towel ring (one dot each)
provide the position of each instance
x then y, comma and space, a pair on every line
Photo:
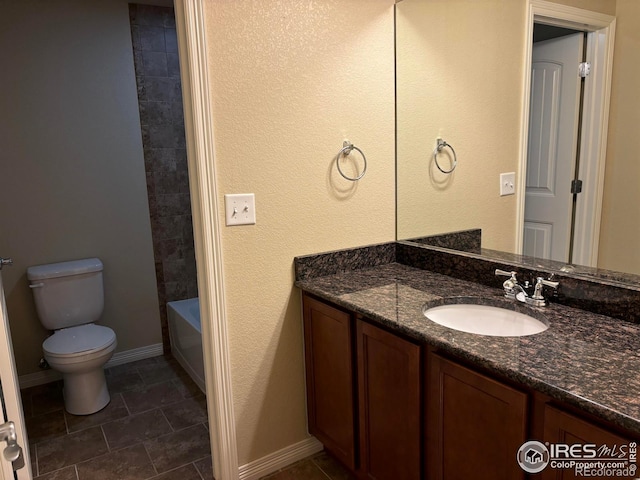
347, 148
442, 144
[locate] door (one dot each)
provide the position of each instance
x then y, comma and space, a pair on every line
553, 129
561, 427
475, 424
330, 378
389, 397
10, 396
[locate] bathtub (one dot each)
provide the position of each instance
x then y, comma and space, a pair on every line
185, 335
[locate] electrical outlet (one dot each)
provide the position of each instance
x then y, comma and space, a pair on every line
507, 183
240, 209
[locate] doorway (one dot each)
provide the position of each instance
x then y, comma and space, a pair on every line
159, 88
590, 140
557, 92
60, 87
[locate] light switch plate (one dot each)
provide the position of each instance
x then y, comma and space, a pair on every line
507, 183
240, 209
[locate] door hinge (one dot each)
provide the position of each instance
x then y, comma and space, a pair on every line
584, 69
576, 186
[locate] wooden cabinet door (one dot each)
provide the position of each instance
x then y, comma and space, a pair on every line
330, 378
561, 427
389, 402
475, 425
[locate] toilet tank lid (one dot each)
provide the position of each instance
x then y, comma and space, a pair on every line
64, 269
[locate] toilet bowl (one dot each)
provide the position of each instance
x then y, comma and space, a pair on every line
79, 354
69, 298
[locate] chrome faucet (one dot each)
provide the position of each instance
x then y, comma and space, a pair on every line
538, 299
513, 289
509, 285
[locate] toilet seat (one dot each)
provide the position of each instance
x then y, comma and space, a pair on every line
78, 341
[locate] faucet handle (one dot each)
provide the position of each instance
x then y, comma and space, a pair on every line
510, 284
537, 298
541, 281
504, 273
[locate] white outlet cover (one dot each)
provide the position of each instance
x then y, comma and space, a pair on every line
240, 209
507, 183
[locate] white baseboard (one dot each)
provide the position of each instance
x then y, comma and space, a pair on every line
134, 354
38, 378
280, 459
127, 356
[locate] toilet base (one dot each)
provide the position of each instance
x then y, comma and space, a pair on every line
85, 392
84, 385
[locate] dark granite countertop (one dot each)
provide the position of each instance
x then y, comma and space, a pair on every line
585, 359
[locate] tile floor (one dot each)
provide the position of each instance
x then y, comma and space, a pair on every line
155, 427
316, 467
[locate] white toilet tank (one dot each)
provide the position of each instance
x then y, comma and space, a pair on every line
67, 293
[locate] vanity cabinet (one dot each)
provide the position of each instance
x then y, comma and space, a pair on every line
390, 408
389, 404
330, 375
474, 424
353, 366
563, 427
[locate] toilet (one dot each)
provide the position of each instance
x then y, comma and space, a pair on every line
69, 298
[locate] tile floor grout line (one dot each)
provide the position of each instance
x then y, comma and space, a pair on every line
150, 459
314, 463
166, 419
103, 422
106, 441
35, 456
64, 416
210, 457
158, 406
87, 460
197, 469
124, 402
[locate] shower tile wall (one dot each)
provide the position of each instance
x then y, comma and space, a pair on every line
155, 52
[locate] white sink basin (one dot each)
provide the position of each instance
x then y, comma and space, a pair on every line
485, 320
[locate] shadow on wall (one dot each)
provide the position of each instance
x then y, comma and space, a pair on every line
155, 53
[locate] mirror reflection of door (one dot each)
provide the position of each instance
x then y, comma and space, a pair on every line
553, 145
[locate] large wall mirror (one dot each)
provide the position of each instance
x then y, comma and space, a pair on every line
465, 75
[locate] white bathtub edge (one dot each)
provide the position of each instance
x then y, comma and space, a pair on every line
183, 329
187, 368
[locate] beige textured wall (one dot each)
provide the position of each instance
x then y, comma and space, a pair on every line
620, 227
459, 75
72, 167
290, 81
602, 6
